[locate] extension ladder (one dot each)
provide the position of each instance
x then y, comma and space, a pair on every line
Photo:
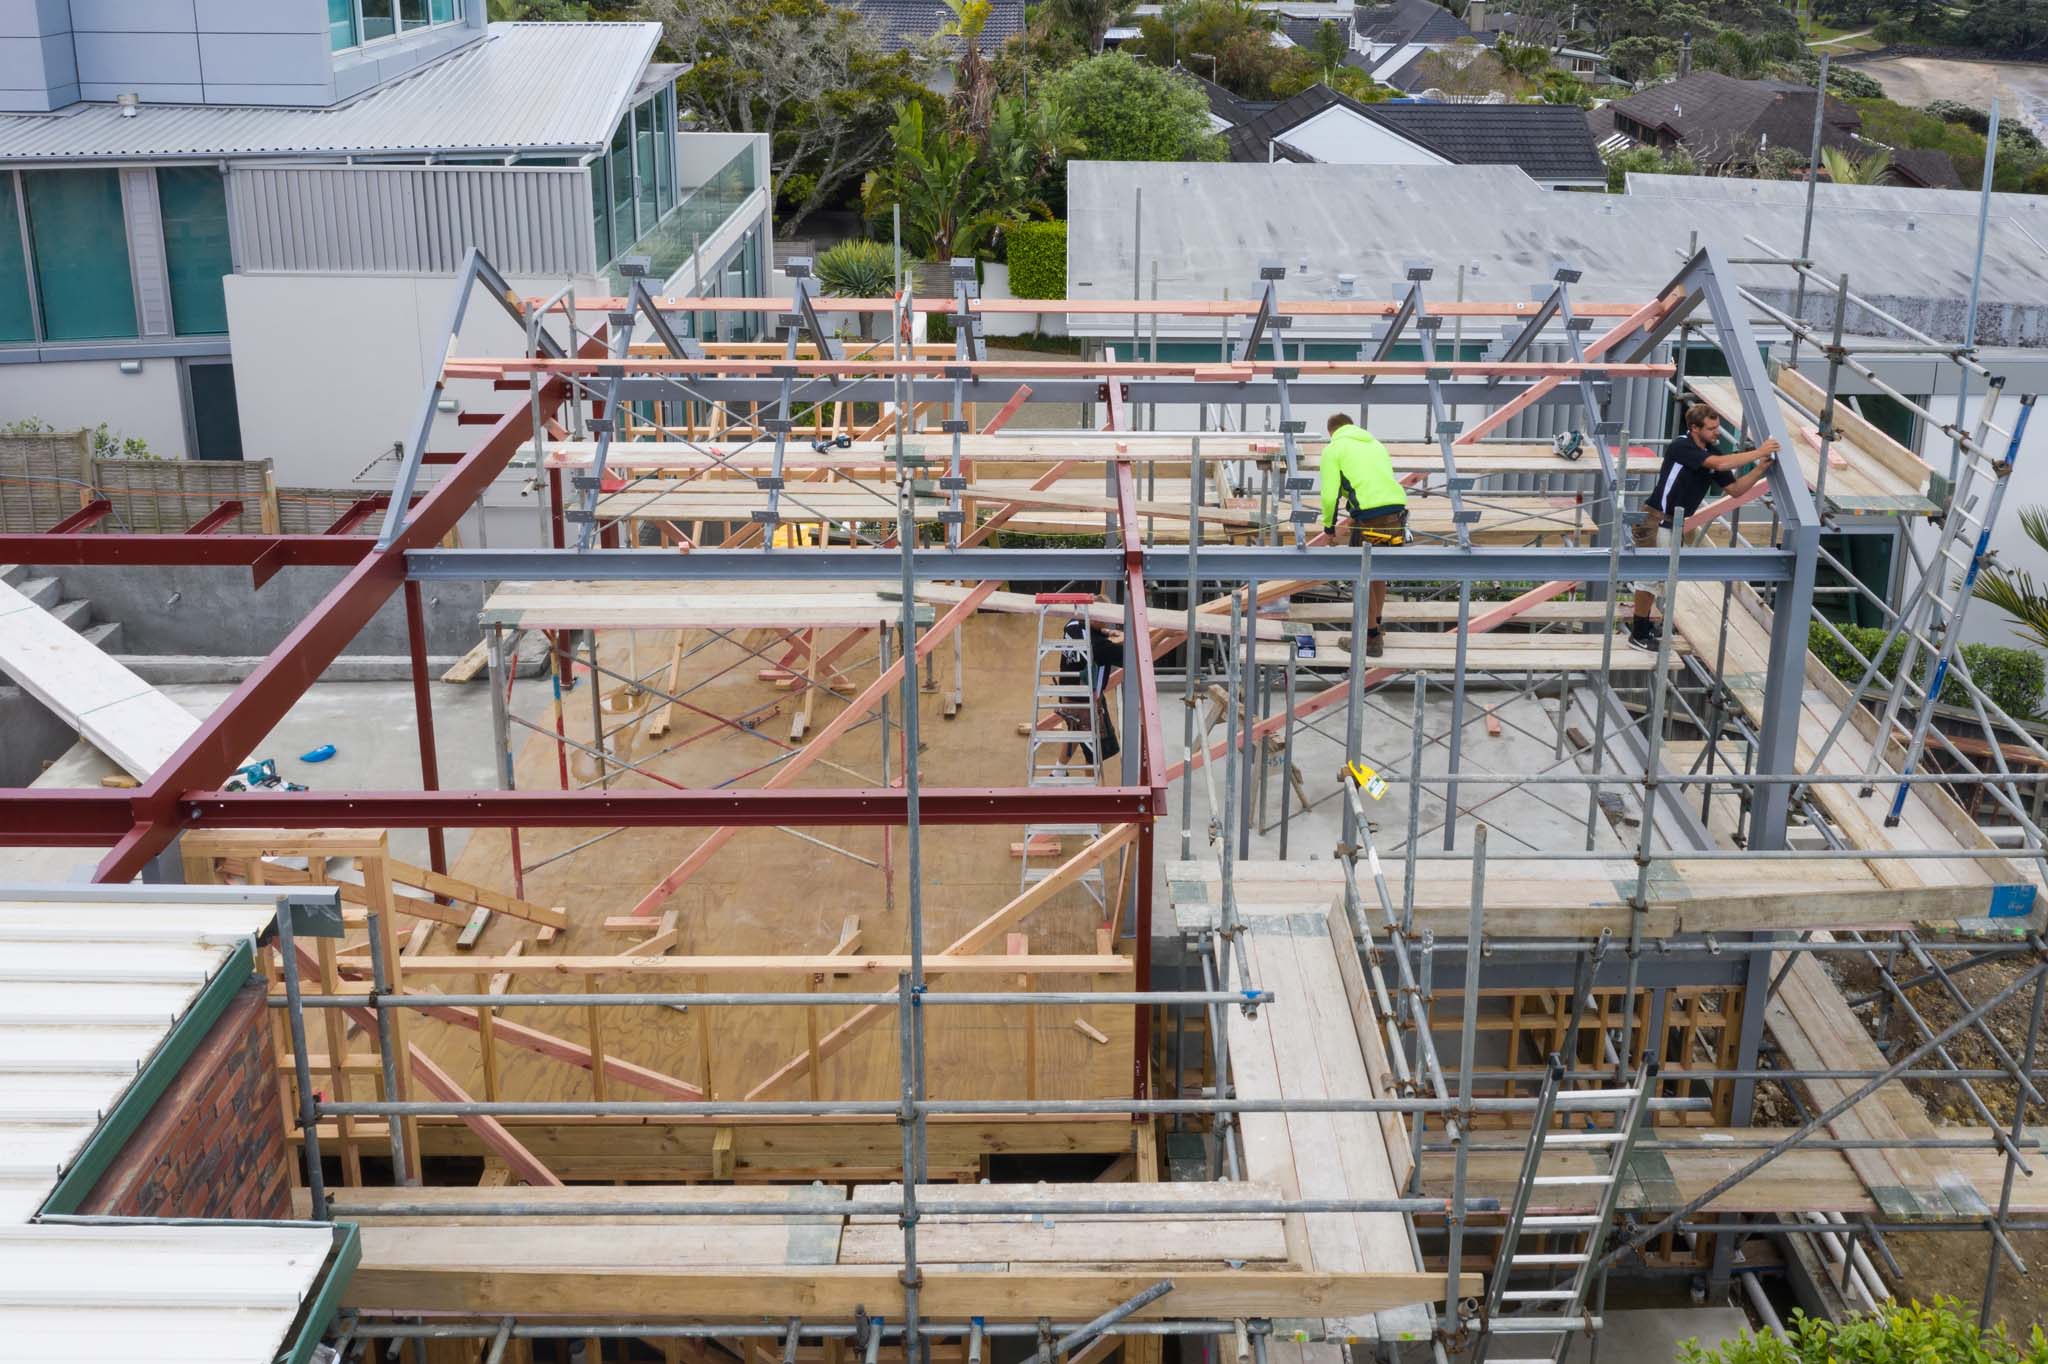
1556, 1312
1056, 754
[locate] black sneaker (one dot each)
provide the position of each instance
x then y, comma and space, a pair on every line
1643, 634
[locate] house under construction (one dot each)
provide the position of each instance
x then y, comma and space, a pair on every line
818, 978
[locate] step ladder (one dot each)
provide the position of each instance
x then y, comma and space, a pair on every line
1057, 754
1543, 1320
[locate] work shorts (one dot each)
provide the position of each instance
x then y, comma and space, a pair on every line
1386, 526
1652, 531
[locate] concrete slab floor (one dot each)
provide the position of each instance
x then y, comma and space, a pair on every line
376, 745
1655, 1335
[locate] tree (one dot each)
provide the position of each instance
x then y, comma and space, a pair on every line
1235, 34
539, 11
1937, 1334
939, 180
1029, 142
1639, 58
1124, 110
804, 72
2014, 591
1527, 60
1647, 161
1465, 70
1088, 20
1562, 87
1844, 169
973, 78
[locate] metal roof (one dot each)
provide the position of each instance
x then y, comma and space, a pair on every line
1211, 226
91, 982
93, 979
522, 88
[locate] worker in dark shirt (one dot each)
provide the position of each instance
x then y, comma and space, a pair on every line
1691, 466
1091, 664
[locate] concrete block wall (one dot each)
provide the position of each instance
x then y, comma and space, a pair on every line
214, 1144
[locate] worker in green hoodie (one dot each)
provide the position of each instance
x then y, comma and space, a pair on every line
1357, 471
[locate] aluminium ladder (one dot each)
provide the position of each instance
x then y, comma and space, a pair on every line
1057, 754
1553, 1314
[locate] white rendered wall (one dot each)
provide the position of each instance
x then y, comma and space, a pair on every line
87, 392
331, 370
1340, 137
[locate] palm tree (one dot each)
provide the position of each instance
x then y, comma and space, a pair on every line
937, 177
1844, 169
2013, 590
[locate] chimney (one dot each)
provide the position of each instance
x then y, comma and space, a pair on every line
1475, 15
1685, 54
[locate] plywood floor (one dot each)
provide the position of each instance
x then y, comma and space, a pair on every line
767, 892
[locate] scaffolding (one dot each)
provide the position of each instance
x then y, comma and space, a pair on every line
1758, 800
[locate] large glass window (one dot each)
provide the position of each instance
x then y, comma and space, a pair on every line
81, 254
643, 161
195, 212
17, 317
443, 11
665, 149
413, 13
621, 168
341, 24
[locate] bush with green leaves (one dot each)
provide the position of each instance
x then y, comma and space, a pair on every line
2014, 678
856, 269
1038, 260
1126, 110
1895, 1334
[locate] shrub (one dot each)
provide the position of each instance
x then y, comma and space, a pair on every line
1125, 110
1937, 1334
856, 269
2014, 678
1038, 260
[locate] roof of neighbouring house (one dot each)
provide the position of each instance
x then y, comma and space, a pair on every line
1409, 21
1228, 108
897, 24
1547, 141
522, 88
1718, 116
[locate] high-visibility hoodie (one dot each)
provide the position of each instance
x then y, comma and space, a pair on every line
1357, 471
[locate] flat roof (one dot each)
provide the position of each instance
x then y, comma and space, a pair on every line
1209, 226
522, 88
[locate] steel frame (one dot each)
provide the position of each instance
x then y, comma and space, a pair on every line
140, 825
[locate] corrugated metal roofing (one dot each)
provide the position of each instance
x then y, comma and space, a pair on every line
92, 981
88, 990
524, 87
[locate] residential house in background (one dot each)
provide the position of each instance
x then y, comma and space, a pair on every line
1492, 25
204, 203
1548, 142
897, 24
1726, 125
1388, 41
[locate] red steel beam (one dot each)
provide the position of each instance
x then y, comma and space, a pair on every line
70, 549
92, 513
93, 818
215, 519
359, 511
240, 723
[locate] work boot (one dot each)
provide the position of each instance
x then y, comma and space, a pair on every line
1375, 643
1643, 634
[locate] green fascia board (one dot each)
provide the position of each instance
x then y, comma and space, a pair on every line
120, 1125
319, 1309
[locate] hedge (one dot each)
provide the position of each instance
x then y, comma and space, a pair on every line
2014, 678
1038, 259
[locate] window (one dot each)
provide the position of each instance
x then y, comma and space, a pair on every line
351, 23
194, 203
17, 315
341, 24
601, 214
621, 169
80, 239
665, 149
643, 162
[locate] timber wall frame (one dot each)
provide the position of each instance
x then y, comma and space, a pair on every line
571, 383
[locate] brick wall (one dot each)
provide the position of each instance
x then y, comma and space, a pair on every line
213, 1145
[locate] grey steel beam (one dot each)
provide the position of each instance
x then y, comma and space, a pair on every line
1319, 390
1226, 563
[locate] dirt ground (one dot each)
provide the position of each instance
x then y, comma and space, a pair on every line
1952, 1263
2021, 88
